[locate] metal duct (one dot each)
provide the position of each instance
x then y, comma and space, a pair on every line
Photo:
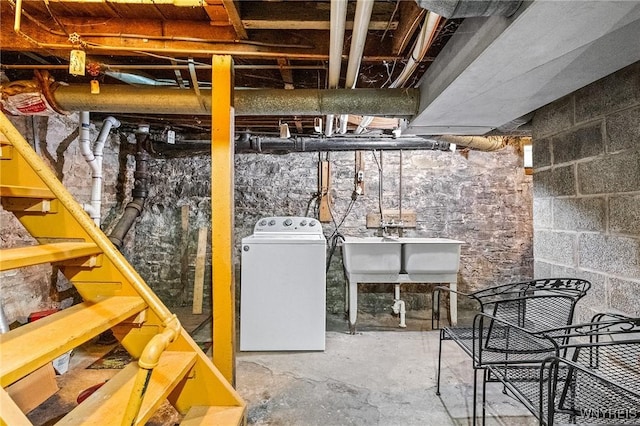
260, 144
159, 100
470, 8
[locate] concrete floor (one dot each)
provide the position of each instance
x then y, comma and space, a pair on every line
382, 375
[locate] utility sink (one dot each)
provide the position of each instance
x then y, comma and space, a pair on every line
399, 260
372, 255
430, 255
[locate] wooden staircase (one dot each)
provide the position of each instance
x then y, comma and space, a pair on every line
169, 364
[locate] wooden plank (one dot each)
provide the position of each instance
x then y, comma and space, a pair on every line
409, 218
198, 284
411, 15
233, 11
11, 414
31, 346
203, 415
324, 179
184, 254
45, 253
109, 401
26, 192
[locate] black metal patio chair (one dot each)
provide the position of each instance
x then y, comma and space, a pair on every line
535, 305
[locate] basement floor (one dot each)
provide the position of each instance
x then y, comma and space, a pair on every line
382, 375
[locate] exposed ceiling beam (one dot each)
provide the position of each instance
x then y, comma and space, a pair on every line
233, 12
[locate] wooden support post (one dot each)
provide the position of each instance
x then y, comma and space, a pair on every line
184, 254
324, 180
198, 282
222, 116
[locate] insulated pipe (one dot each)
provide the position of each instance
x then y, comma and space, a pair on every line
259, 144
160, 100
140, 189
481, 143
336, 42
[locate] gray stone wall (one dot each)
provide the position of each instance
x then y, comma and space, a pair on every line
587, 191
484, 200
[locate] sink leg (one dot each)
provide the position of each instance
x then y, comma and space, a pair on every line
453, 303
353, 306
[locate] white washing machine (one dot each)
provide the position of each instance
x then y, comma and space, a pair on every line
283, 286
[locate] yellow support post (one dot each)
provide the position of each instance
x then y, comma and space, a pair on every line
223, 283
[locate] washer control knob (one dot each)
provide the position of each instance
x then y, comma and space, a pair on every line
263, 223
312, 223
272, 222
245, 248
303, 223
288, 222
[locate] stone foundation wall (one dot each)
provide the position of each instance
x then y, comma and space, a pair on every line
483, 199
587, 191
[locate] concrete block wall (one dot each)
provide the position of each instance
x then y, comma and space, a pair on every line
586, 191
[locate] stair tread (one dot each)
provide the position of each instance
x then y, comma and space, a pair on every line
26, 192
28, 347
20, 257
215, 415
110, 401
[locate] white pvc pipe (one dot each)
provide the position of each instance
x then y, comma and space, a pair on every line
94, 160
399, 306
425, 39
336, 43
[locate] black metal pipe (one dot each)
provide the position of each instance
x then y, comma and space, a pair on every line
260, 144
139, 192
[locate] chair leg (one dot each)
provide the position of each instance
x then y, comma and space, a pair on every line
439, 363
475, 395
485, 379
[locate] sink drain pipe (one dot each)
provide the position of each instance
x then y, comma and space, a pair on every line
140, 188
399, 306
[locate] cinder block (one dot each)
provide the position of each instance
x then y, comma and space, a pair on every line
624, 295
542, 213
556, 247
624, 215
611, 93
614, 173
579, 214
541, 153
623, 130
553, 118
611, 254
577, 144
554, 182
542, 269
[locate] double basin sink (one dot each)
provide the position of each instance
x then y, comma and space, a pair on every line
389, 257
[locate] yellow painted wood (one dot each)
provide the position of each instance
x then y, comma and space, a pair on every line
222, 124
21, 257
26, 348
115, 277
10, 414
106, 405
205, 416
25, 192
30, 205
